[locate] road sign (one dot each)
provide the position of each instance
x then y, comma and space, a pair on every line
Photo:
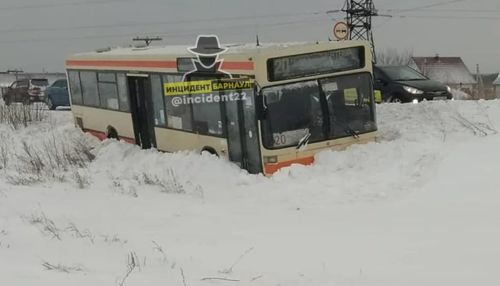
341, 31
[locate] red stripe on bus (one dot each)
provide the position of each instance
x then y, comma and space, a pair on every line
152, 64
102, 136
273, 168
114, 63
237, 65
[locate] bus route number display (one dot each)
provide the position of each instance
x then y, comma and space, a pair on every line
315, 63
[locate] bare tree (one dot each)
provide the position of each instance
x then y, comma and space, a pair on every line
394, 57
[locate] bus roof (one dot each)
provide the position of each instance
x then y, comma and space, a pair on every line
182, 50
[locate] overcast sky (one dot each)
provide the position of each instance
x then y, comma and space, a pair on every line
37, 35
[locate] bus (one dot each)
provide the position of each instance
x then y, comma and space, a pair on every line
263, 107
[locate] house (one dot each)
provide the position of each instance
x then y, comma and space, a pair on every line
488, 84
496, 86
451, 71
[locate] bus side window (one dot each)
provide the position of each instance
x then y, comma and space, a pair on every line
158, 106
75, 87
89, 88
123, 91
108, 90
207, 116
179, 116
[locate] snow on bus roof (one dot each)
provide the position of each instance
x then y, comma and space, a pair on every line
183, 49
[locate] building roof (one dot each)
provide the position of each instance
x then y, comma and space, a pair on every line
497, 81
449, 70
489, 78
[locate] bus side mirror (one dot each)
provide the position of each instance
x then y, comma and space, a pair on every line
261, 108
260, 105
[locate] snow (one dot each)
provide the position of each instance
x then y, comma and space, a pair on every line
417, 207
449, 74
183, 49
460, 95
448, 70
497, 81
177, 49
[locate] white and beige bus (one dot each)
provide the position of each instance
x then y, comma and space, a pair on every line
262, 107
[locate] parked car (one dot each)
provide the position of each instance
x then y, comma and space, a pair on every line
26, 91
404, 84
57, 94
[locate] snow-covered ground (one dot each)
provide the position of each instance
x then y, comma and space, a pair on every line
418, 207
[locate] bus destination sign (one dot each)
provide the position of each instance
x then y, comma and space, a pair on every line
312, 64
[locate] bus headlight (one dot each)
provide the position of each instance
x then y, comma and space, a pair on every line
448, 88
270, 159
415, 101
412, 90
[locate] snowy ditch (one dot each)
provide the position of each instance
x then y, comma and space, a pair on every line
78, 211
416, 134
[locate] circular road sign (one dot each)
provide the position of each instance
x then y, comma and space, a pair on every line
341, 31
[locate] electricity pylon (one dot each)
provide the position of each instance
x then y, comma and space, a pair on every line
359, 20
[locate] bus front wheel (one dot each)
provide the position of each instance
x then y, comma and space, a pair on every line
112, 133
209, 150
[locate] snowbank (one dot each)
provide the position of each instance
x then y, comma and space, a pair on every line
417, 207
460, 95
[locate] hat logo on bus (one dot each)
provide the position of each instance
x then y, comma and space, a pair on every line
207, 51
207, 46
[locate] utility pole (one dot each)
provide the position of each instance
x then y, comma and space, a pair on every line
480, 84
359, 20
147, 40
16, 72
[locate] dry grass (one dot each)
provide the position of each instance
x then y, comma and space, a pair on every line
5, 151
18, 116
46, 225
168, 182
82, 234
132, 264
62, 268
55, 157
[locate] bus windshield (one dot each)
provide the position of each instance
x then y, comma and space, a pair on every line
319, 110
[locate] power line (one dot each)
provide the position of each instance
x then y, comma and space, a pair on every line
462, 10
427, 6
443, 17
62, 4
185, 33
155, 23
449, 17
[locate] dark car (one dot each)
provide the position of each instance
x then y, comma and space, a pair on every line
57, 94
26, 91
404, 84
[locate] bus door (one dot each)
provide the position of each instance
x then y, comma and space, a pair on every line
242, 134
141, 107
